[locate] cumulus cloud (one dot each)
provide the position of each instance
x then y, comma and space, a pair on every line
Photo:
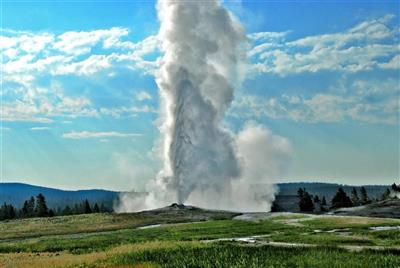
31, 58
77, 43
368, 100
360, 48
32, 103
89, 134
39, 128
143, 95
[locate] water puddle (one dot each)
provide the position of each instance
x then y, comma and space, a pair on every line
385, 228
149, 226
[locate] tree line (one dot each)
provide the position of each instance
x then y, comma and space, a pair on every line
37, 207
309, 203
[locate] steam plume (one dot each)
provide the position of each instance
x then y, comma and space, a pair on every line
201, 45
203, 164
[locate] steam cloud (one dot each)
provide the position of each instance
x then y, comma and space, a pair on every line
203, 164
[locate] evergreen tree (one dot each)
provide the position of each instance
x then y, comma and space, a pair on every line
386, 194
316, 199
31, 207
87, 209
323, 202
3, 212
341, 199
11, 212
305, 201
67, 211
7, 212
25, 209
41, 207
96, 208
395, 188
77, 209
28, 208
354, 197
51, 213
364, 196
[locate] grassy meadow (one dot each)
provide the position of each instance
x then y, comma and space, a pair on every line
181, 240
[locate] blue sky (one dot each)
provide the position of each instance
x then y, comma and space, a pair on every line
80, 102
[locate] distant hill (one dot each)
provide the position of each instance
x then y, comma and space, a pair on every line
287, 200
17, 193
328, 189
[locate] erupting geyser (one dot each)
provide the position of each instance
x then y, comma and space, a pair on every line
201, 43
203, 164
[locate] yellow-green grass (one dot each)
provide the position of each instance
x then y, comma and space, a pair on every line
112, 240
96, 222
196, 254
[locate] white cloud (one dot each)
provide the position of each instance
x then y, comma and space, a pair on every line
359, 48
30, 58
77, 43
39, 128
143, 95
260, 36
127, 111
352, 100
71, 52
89, 134
40, 104
394, 63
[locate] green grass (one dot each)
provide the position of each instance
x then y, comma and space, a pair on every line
177, 232
97, 222
96, 237
232, 255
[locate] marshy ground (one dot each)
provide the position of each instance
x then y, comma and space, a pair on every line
192, 237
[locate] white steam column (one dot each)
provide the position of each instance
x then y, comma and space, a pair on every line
200, 41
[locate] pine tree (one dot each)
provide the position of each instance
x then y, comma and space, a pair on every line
305, 201
385, 195
96, 208
51, 213
7, 212
31, 207
66, 211
3, 212
77, 209
341, 199
354, 197
364, 196
87, 209
41, 207
323, 202
25, 209
11, 212
395, 187
316, 199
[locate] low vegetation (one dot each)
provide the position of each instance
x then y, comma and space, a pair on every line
107, 240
